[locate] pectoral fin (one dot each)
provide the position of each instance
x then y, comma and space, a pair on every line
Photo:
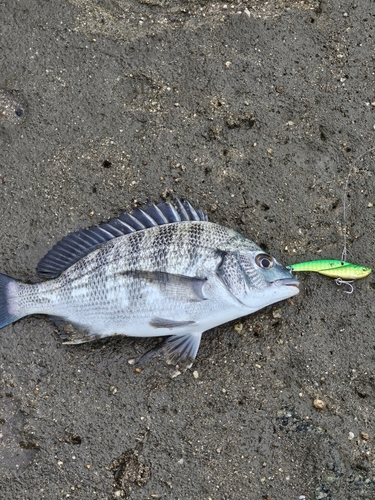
176, 349
176, 286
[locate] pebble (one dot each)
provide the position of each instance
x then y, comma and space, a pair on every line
238, 327
319, 404
365, 436
351, 436
195, 374
13, 106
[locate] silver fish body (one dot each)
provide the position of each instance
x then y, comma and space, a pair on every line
169, 272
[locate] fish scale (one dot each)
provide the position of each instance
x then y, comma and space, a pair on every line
162, 271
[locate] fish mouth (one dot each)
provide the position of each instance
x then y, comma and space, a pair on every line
287, 282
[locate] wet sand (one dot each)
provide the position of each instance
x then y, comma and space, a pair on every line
258, 111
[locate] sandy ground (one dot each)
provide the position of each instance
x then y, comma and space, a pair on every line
258, 110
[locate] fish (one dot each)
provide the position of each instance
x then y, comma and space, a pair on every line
333, 268
162, 270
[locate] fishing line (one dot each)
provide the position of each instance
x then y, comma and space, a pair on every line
346, 204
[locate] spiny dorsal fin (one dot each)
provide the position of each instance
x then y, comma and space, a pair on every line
76, 245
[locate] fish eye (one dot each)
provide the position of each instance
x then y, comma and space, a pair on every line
264, 261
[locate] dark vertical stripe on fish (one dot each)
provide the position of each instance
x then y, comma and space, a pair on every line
195, 237
135, 243
167, 238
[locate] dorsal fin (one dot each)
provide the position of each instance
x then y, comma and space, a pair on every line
76, 245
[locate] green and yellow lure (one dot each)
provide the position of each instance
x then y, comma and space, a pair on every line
333, 269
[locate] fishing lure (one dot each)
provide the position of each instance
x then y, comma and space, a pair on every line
333, 269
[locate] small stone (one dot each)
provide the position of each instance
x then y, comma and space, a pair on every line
351, 436
195, 374
277, 314
238, 327
228, 64
88, 466
365, 436
370, 205
113, 389
373, 103
137, 370
117, 493
270, 151
131, 361
319, 404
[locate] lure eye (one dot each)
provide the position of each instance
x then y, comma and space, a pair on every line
264, 261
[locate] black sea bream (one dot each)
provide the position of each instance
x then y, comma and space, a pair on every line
161, 271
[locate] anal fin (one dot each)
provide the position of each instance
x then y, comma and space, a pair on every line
176, 349
71, 333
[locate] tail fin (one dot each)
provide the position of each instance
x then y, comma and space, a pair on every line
6, 316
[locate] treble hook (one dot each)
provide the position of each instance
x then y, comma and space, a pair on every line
340, 281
